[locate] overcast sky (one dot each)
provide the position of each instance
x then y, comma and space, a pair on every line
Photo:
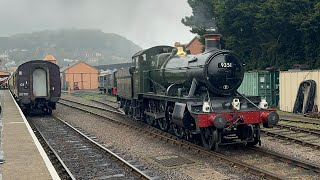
145, 22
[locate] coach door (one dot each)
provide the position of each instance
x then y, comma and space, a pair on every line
39, 84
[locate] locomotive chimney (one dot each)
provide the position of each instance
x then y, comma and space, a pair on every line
212, 41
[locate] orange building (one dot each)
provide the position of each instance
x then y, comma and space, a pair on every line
4, 74
50, 58
195, 46
79, 76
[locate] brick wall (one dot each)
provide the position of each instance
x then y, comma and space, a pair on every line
85, 75
195, 46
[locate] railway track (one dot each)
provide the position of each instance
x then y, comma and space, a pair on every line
112, 110
304, 121
262, 163
300, 129
296, 131
80, 155
62, 170
303, 136
110, 104
111, 101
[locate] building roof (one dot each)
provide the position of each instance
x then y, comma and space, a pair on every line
113, 66
4, 73
73, 64
49, 57
195, 38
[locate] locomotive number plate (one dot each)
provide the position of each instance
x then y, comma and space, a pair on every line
225, 65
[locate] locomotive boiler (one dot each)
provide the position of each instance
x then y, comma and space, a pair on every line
36, 85
194, 95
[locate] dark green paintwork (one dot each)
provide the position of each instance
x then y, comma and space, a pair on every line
149, 61
261, 83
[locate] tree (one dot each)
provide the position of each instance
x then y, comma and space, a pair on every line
263, 32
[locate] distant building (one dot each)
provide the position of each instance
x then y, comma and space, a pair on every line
4, 74
79, 75
113, 66
195, 46
50, 58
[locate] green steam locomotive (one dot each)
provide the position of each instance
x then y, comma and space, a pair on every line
194, 96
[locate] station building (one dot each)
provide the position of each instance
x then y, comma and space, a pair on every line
50, 58
4, 74
79, 75
195, 46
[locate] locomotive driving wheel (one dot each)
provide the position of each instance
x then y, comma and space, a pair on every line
127, 108
178, 131
49, 111
150, 120
164, 124
209, 137
256, 137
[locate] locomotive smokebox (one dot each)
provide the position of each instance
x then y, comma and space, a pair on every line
212, 41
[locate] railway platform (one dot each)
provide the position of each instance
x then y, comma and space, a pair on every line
22, 155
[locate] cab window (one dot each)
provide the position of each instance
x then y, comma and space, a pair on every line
136, 61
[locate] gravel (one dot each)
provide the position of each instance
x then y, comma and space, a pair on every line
144, 148
291, 149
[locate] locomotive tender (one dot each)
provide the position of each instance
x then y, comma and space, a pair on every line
194, 95
107, 83
36, 85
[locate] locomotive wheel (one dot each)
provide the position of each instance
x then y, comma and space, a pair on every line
127, 108
48, 111
164, 124
256, 137
209, 137
150, 120
178, 131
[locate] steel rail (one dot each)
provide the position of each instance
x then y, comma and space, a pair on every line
292, 139
186, 145
190, 146
104, 103
300, 129
304, 121
140, 174
96, 107
298, 162
66, 169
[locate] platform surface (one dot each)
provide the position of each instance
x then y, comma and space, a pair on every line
24, 159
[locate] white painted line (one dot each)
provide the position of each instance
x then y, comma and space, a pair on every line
21, 122
43, 154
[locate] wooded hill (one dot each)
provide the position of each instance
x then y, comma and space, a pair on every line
92, 46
